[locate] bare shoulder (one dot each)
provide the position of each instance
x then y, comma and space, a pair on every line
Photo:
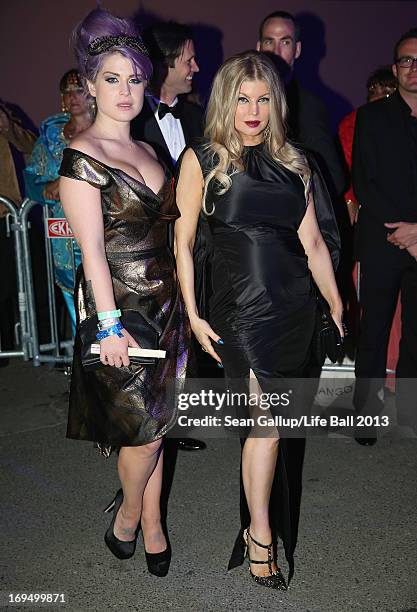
190, 163
147, 147
190, 178
86, 144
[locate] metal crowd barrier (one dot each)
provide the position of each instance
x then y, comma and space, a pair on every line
26, 328
22, 327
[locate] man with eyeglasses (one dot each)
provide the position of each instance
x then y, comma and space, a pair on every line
384, 168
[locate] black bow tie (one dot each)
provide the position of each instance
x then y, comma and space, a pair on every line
164, 109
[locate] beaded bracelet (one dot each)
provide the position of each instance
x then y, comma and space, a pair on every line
108, 314
114, 330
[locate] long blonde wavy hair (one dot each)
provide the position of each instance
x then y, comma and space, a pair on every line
225, 144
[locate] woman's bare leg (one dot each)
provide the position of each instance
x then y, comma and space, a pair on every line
153, 536
259, 457
136, 465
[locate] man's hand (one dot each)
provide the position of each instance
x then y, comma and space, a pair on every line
405, 234
51, 191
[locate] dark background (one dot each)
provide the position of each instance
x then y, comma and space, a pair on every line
343, 41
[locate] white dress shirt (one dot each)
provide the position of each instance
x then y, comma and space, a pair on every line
170, 127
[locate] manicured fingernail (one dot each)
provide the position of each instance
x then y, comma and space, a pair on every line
220, 341
219, 365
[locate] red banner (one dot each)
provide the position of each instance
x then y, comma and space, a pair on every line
59, 228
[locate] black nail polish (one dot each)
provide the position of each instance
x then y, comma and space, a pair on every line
220, 341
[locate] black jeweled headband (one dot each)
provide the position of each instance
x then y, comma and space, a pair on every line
105, 43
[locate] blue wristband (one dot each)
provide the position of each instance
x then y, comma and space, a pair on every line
114, 330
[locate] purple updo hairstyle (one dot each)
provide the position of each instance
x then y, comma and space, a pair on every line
101, 23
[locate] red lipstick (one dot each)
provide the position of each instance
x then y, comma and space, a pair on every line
252, 124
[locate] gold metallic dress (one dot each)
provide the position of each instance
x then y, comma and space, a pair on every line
134, 405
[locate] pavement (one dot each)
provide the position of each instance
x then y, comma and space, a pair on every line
357, 536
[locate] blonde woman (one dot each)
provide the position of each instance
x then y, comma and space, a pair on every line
255, 189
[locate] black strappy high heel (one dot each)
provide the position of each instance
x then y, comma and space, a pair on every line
120, 549
275, 580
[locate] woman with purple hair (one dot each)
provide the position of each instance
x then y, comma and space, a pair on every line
119, 204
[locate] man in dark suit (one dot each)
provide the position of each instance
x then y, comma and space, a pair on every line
308, 121
384, 169
167, 121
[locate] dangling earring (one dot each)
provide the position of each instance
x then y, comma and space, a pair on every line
267, 132
93, 107
63, 107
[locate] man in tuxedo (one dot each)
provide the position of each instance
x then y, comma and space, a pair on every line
279, 34
384, 169
167, 121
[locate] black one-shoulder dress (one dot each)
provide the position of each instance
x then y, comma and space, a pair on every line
130, 406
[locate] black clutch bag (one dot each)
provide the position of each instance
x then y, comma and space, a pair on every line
327, 341
146, 333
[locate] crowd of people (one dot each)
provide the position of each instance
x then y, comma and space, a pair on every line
212, 232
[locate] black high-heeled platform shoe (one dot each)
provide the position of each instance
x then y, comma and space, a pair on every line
120, 549
158, 563
275, 580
